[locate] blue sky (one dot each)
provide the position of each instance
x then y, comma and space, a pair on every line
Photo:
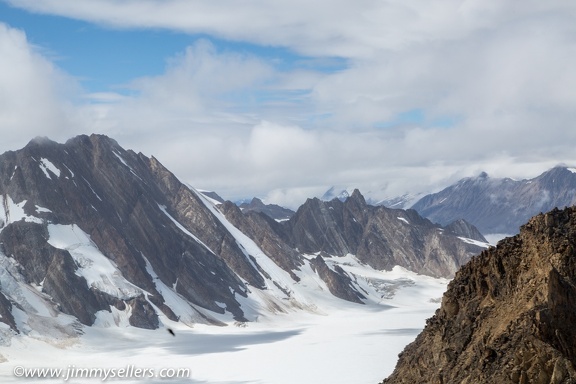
107, 58
284, 99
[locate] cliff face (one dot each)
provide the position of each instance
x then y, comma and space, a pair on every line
128, 213
379, 236
509, 315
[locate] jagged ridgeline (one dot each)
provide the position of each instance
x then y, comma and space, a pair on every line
93, 233
508, 316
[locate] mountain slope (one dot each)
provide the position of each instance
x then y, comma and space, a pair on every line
500, 205
378, 236
508, 316
95, 235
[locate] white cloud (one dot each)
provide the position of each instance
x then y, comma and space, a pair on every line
35, 97
492, 81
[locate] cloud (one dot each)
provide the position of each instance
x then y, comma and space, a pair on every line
428, 92
35, 97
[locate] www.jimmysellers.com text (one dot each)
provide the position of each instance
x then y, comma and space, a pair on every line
73, 372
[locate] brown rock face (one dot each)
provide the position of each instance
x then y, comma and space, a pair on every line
509, 315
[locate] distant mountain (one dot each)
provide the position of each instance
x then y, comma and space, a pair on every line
500, 205
274, 211
378, 236
213, 196
334, 193
507, 316
92, 234
400, 202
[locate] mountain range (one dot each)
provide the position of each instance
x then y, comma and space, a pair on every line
93, 234
496, 205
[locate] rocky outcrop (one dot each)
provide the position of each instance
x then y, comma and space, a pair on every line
500, 206
378, 236
337, 280
507, 316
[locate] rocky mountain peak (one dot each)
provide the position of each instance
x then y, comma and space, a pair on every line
378, 236
357, 197
508, 315
500, 206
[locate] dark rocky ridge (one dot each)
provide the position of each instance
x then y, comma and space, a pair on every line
508, 315
379, 236
114, 196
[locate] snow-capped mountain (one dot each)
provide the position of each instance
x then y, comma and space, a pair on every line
93, 234
500, 206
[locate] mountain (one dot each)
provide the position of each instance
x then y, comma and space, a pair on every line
274, 211
400, 202
500, 205
334, 193
507, 316
92, 234
378, 236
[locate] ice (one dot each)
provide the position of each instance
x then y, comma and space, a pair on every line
99, 271
299, 332
347, 343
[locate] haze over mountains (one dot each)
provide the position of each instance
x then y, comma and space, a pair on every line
493, 205
93, 234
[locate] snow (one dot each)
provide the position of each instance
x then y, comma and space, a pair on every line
92, 189
40, 209
404, 220
474, 242
126, 164
11, 212
346, 343
573, 170
69, 170
13, 172
46, 165
41, 319
182, 228
298, 331
99, 271
186, 312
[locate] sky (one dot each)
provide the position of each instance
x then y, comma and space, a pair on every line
284, 99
